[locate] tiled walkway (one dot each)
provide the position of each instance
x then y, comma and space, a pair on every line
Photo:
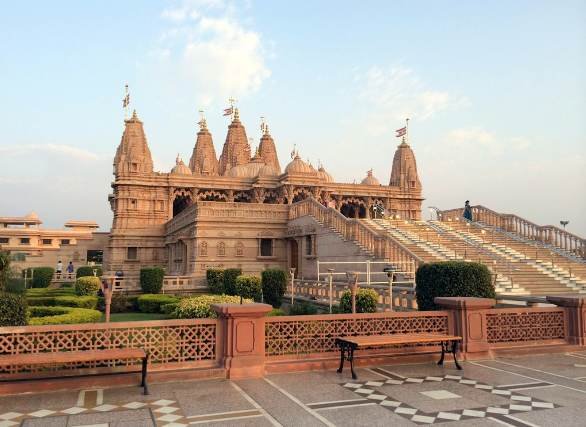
525, 391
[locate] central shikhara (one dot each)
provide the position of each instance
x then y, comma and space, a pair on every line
233, 211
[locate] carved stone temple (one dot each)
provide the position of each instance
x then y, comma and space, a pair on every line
235, 210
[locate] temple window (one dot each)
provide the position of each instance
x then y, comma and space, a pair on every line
25, 241
47, 241
133, 203
65, 241
221, 249
132, 253
266, 247
239, 249
4, 240
134, 167
203, 249
308, 245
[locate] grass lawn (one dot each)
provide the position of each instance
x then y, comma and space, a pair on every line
133, 317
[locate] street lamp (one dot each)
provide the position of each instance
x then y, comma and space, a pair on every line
564, 223
353, 282
292, 273
330, 279
390, 274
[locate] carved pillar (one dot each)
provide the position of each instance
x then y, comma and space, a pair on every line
241, 339
230, 196
469, 322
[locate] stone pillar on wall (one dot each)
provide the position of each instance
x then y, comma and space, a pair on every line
575, 307
469, 320
241, 338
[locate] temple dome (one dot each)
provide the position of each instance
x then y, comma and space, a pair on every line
324, 175
267, 170
248, 170
180, 168
297, 165
370, 179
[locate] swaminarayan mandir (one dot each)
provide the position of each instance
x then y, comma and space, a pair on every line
234, 211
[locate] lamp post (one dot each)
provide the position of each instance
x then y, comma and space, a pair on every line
107, 291
353, 282
292, 273
390, 274
330, 280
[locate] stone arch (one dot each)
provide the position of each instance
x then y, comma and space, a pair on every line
353, 207
182, 199
300, 194
271, 196
242, 197
221, 249
211, 196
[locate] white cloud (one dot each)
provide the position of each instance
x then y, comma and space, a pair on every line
213, 53
58, 149
397, 93
480, 141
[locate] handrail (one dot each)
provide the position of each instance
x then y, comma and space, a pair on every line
547, 234
382, 246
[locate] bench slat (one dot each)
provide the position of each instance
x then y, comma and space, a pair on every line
71, 356
380, 340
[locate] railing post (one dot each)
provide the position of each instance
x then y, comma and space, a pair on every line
575, 307
469, 321
241, 337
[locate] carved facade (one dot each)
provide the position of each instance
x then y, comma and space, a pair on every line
159, 220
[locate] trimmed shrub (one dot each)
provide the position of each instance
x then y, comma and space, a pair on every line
42, 276
62, 315
230, 276
302, 308
169, 308
276, 312
274, 284
88, 270
15, 285
119, 303
249, 287
64, 301
132, 302
87, 285
13, 309
151, 303
201, 306
452, 279
215, 279
366, 300
151, 279
44, 292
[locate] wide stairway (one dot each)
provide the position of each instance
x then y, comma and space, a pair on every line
518, 266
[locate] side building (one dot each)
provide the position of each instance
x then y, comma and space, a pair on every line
231, 211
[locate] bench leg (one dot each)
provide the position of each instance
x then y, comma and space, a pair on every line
341, 358
144, 384
351, 359
441, 361
454, 351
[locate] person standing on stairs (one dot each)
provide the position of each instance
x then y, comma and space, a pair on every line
467, 211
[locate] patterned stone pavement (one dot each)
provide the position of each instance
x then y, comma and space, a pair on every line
524, 391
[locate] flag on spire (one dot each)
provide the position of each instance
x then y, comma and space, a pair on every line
401, 132
126, 99
228, 111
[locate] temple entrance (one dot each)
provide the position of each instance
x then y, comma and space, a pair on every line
353, 210
294, 255
180, 203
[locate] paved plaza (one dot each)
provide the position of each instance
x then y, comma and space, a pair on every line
521, 391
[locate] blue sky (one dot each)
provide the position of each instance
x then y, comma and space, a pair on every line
496, 93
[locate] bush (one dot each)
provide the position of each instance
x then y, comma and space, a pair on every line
452, 279
151, 279
45, 292
230, 276
87, 270
276, 312
64, 301
302, 308
151, 303
15, 285
62, 315
4, 269
13, 309
119, 303
42, 276
87, 285
249, 287
169, 308
201, 306
366, 300
215, 279
132, 302
274, 284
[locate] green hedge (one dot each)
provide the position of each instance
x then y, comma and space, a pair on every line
42, 276
302, 308
249, 287
87, 270
276, 312
44, 292
87, 285
119, 303
274, 284
62, 315
15, 285
87, 301
201, 306
151, 279
215, 279
151, 303
13, 309
366, 300
452, 279
230, 276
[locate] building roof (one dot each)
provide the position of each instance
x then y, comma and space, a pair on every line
370, 179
